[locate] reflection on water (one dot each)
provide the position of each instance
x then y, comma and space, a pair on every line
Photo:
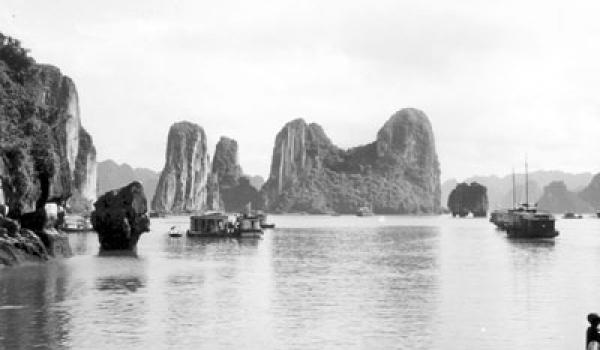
130, 284
313, 283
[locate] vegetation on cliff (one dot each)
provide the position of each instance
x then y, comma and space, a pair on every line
396, 174
45, 154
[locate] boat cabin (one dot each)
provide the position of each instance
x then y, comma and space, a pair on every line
209, 225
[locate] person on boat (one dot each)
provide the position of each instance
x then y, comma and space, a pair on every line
592, 336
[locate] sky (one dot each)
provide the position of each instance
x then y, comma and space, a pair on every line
499, 80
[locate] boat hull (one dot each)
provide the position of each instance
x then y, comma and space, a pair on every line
525, 224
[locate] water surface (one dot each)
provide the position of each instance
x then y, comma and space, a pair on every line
315, 282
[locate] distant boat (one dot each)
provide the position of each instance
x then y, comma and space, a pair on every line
364, 211
76, 224
221, 225
156, 214
598, 214
173, 232
524, 221
263, 220
570, 215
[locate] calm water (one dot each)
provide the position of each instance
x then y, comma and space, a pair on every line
313, 283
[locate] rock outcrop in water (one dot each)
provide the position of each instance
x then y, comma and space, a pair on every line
182, 186
465, 199
44, 150
558, 199
396, 174
120, 217
235, 189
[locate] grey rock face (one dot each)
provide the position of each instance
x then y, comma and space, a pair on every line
398, 173
182, 186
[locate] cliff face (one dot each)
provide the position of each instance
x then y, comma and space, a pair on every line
465, 199
558, 199
182, 186
235, 190
396, 174
45, 153
225, 164
591, 194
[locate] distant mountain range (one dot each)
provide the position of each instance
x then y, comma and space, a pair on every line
113, 176
499, 189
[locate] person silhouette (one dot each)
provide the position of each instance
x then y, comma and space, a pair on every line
592, 337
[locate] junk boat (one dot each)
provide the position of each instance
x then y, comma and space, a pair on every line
210, 225
221, 225
524, 221
76, 224
364, 211
263, 220
174, 232
248, 226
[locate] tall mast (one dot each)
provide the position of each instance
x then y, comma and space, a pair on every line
514, 189
526, 183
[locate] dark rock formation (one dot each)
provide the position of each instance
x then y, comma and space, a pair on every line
44, 150
112, 175
465, 199
558, 199
591, 193
396, 174
34, 239
182, 186
235, 190
120, 217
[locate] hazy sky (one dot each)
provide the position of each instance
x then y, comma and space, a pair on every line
498, 79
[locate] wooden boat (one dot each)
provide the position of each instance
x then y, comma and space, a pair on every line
248, 226
174, 232
221, 225
76, 224
156, 214
263, 220
364, 211
572, 216
209, 225
524, 221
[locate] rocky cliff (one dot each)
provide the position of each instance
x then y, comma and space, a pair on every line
45, 153
591, 193
558, 199
468, 198
182, 186
398, 173
235, 189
